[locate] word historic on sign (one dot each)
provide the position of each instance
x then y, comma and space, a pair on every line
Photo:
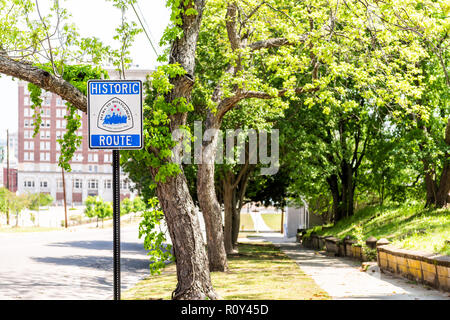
114, 88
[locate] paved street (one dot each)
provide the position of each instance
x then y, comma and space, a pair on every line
73, 264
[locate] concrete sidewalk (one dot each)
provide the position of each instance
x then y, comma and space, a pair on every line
342, 278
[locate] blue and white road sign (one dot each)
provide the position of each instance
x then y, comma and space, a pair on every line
115, 114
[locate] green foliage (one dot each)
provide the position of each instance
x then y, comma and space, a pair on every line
178, 8
126, 206
408, 225
5, 195
157, 134
77, 75
154, 240
37, 200
138, 205
89, 209
96, 207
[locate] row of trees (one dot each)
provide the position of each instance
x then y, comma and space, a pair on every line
357, 88
95, 207
12, 203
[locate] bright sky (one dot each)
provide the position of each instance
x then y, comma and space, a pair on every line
95, 18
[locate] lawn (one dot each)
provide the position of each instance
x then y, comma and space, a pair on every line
259, 271
272, 220
409, 226
247, 222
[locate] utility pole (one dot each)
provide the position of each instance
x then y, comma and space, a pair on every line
7, 173
65, 201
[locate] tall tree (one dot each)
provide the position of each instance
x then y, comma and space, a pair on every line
21, 47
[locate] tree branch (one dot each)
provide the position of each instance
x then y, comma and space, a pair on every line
44, 80
275, 43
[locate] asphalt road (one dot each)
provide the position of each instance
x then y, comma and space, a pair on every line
73, 264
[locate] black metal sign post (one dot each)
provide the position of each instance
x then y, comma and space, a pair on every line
116, 223
115, 123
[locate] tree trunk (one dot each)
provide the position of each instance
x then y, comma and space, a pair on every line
235, 221
179, 211
209, 205
430, 185
239, 202
212, 216
193, 276
337, 197
444, 185
228, 208
347, 190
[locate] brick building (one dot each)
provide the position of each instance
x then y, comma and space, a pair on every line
38, 170
13, 151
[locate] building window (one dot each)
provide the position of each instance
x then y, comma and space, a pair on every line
45, 156
107, 157
45, 134
93, 184
25, 122
28, 145
45, 145
78, 157
92, 157
44, 184
77, 183
28, 183
28, 156
107, 184
124, 184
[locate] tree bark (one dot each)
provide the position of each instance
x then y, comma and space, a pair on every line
444, 184
228, 208
193, 275
44, 80
334, 189
236, 221
206, 193
238, 202
347, 189
209, 205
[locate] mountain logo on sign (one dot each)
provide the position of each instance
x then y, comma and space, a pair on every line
115, 116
